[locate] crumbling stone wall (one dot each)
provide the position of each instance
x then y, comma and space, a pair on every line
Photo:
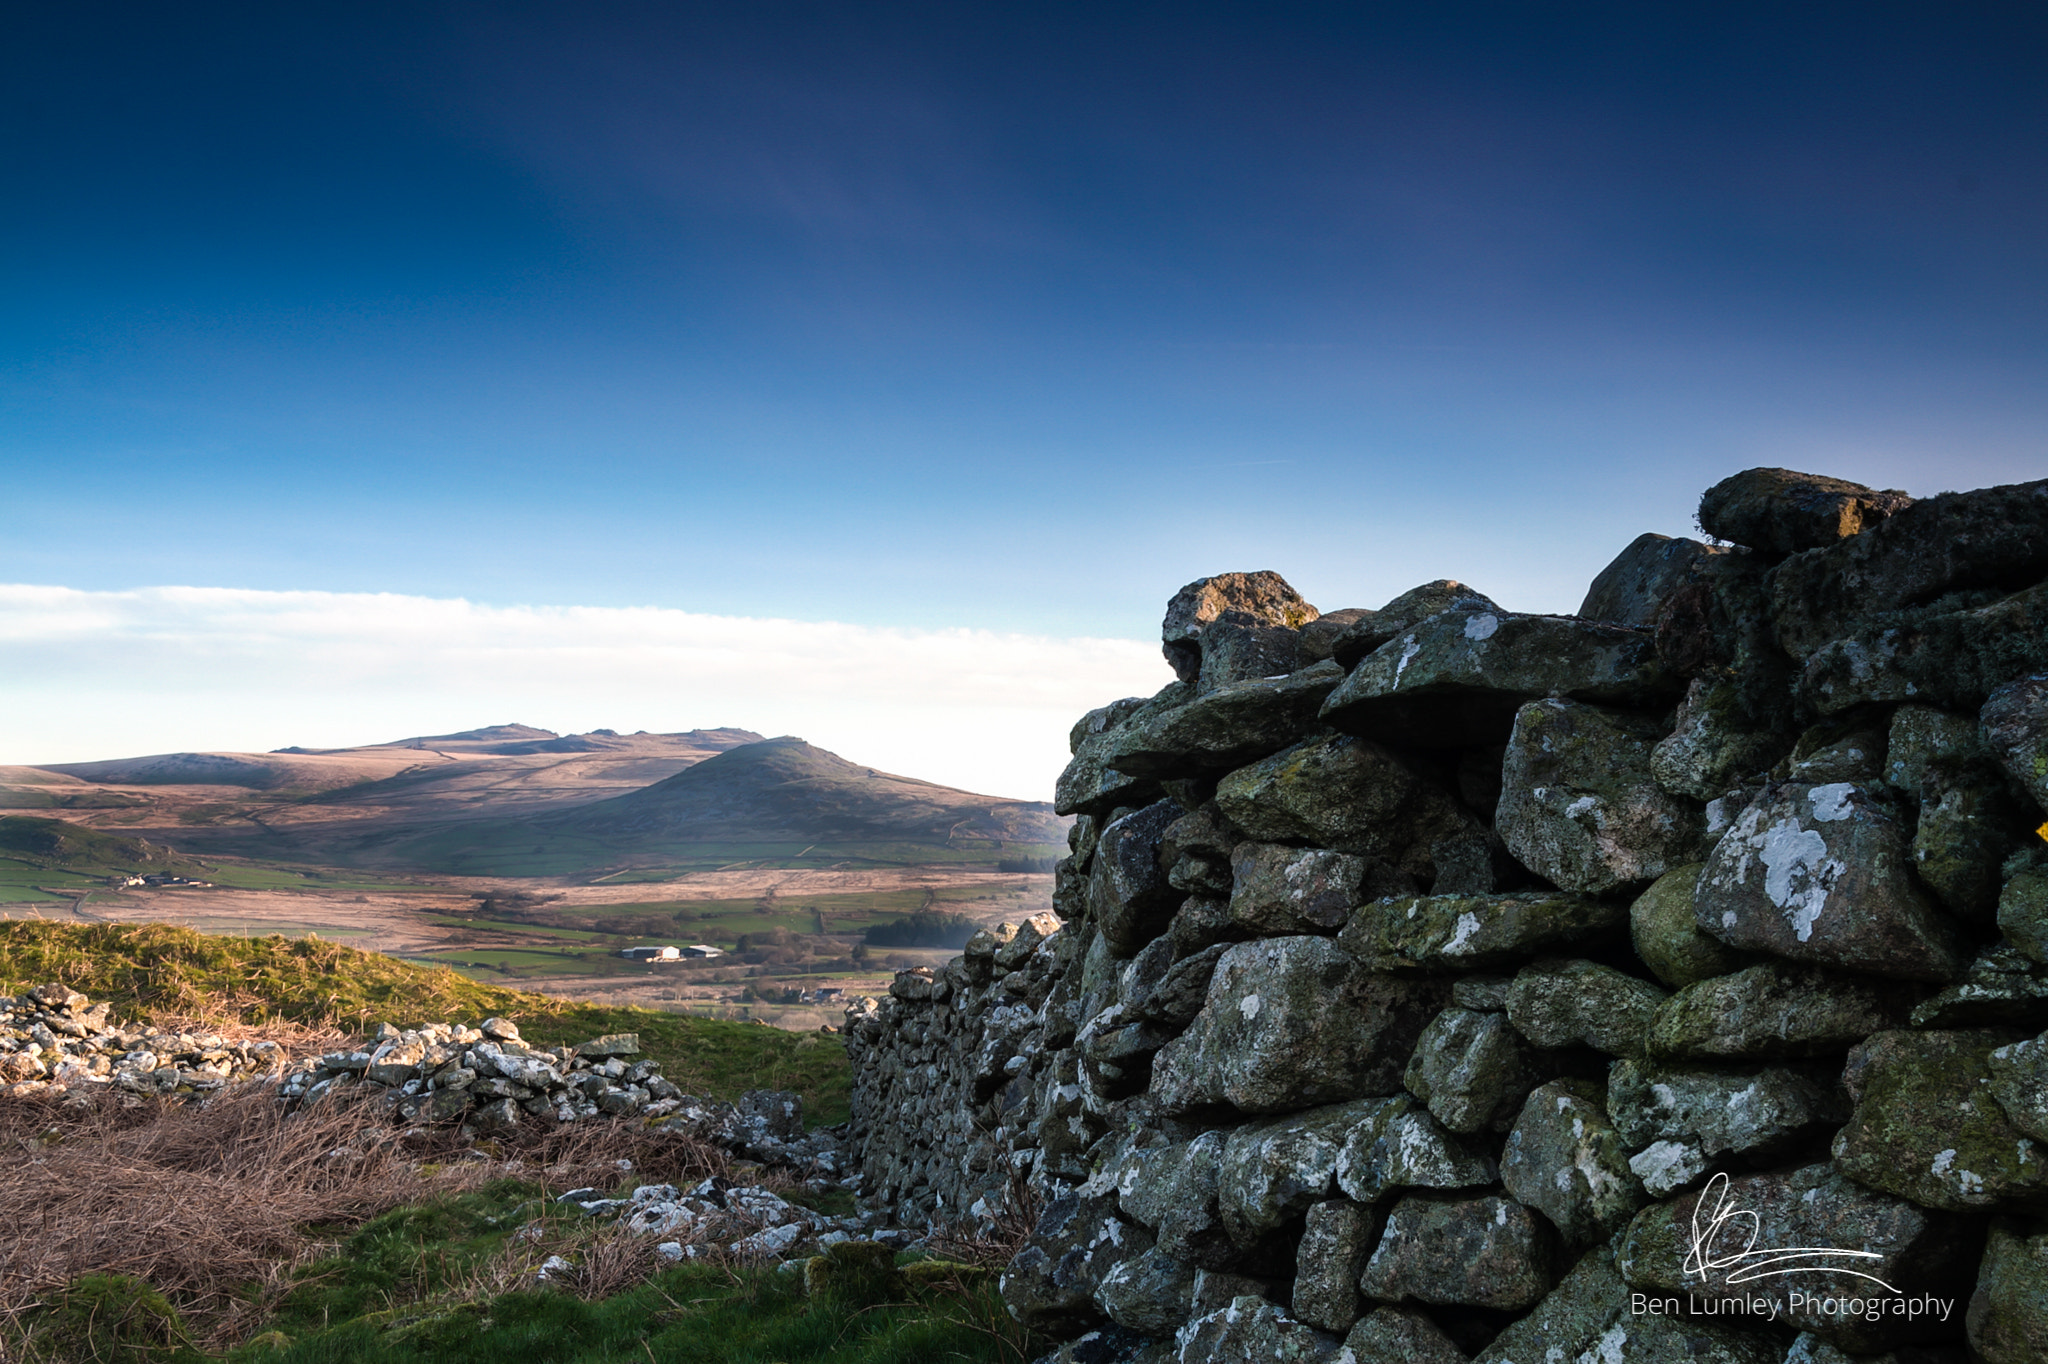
1429, 977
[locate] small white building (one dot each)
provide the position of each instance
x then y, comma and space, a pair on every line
652, 954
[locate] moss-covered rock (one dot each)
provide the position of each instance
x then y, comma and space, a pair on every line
1348, 794
2015, 729
1722, 1112
1587, 1318
1473, 932
1781, 511
1474, 1252
1667, 937
1578, 804
1927, 1127
1225, 727
1566, 1159
1244, 599
1822, 874
1949, 657
1396, 1335
1581, 1003
2023, 911
1456, 679
1473, 1070
1398, 1145
1775, 1010
1278, 889
1337, 1237
1714, 743
1091, 784
2008, 1314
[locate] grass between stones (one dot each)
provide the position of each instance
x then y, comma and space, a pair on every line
160, 973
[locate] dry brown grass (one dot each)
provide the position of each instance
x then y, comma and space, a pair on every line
216, 1204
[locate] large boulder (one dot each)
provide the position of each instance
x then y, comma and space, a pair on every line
1456, 679
1953, 543
1226, 727
1927, 1128
1722, 1243
1578, 804
1473, 932
1822, 874
1475, 1252
1775, 1010
1635, 587
1291, 1023
1261, 599
1780, 512
2008, 1313
1349, 794
1565, 1159
1473, 1070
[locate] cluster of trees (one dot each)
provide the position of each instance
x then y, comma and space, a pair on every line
1044, 864
926, 928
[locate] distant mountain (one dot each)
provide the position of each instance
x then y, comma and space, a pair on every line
780, 799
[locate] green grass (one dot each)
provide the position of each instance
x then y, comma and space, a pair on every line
156, 968
400, 1290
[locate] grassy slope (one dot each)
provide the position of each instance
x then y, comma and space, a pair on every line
155, 968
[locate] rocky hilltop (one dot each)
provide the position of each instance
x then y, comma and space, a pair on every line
1439, 982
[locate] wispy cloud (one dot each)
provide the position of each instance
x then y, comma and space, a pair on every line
109, 674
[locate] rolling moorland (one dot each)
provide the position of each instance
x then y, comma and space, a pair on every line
522, 857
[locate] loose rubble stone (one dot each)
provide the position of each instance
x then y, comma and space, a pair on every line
1466, 932
1336, 1239
2008, 1312
1703, 1243
1580, 807
1634, 588
1397, 1335
1257, 599
1581, 1003
1347, 794
1456, 679
1587, 1321
1251, 1328
1226, 727
1473, 1070
1277, 889
1776, 1010
1927, 1128
1565, 1159
2003, 985
1668, 938
1477, 1252
1779, 512
1293, 1022
1371, 629
1821, 874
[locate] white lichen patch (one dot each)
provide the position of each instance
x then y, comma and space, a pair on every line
1832, 802
1798, 874
1482, 626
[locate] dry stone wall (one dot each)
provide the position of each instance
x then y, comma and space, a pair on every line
1439, 982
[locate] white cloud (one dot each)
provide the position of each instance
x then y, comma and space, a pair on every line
163, 669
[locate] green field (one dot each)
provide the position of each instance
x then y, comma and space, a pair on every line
524, 852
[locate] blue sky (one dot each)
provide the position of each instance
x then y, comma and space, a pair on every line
1000, 318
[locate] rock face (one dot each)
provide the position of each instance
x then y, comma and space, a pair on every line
1408, 958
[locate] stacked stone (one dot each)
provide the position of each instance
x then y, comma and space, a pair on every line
488, 1080
953, 1079
56, 1039
1439, 981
